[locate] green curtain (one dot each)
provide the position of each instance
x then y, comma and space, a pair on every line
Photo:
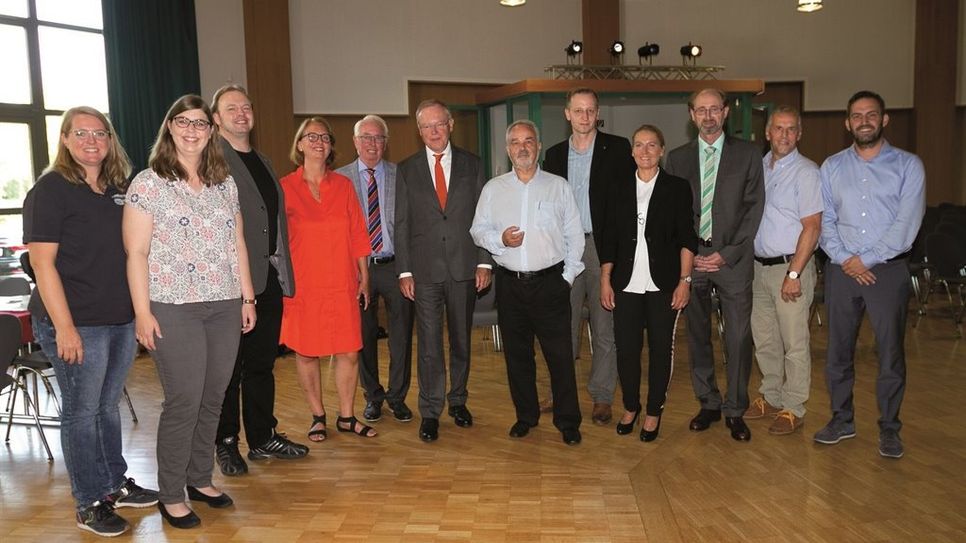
152, 59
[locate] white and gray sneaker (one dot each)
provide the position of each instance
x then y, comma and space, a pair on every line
835, 431
101, 519
279, 447
132, 495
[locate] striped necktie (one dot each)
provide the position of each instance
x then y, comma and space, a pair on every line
375, 219
707, 192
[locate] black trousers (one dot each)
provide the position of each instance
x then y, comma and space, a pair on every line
253, 378
886, 302
384, 284
632, 313
538, 307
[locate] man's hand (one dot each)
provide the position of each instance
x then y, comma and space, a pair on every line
483, 277
408, 287
709, 263
791, 289
512, 237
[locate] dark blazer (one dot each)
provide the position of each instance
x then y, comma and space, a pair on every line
432, 243
612, 161
255, 224
739, 196
351, 170
669, 228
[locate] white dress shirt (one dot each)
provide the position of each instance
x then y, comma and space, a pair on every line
447, 162
641, 280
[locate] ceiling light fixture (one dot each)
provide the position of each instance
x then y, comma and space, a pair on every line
808, 6
512, 3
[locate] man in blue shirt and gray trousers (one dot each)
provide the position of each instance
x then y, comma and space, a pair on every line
874, 197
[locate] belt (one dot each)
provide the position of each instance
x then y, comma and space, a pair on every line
900, 256
704, 242
383, 259
773, 261
527, 275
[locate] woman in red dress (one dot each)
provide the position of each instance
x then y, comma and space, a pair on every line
330, 248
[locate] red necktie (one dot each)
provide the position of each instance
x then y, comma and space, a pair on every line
440, 181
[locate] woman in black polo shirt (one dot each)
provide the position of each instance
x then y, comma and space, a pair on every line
83, 317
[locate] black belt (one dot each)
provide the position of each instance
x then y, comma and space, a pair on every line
527, 275
704, 242
774, 261
383, 259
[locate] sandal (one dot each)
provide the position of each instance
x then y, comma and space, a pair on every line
355, 427
318, 435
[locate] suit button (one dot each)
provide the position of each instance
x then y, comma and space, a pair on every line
262, 208
264, 256
264, 230
444, 217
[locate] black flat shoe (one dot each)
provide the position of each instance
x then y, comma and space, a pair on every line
650, 435
429, 430
702, 421
519, 429
219, 501
571, 436
354, 426
739, 430
188, 521
461, 416
624, 429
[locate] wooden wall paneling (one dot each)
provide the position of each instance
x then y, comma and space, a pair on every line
268, 61
934, 120
824, 133
601, 26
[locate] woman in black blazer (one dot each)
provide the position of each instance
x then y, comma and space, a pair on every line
646, 284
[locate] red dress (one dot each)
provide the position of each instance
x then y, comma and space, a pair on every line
326, 239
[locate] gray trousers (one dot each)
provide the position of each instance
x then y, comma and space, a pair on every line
734, 292
458, 298
586, 289
195, 360
781, 334
887, 302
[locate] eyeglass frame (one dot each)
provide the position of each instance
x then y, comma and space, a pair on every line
81, 134
183, 123
315, 137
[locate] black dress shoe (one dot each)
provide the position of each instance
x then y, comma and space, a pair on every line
462, 416
520, 429
401, 412
650, 435
571, 436
372, 412
429, 430
739, 430
219, 501
704, 418
188, 521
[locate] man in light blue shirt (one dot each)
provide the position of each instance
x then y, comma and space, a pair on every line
874, 198
785, 275
529, 221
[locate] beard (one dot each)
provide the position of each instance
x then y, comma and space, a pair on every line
867, 139
523, 162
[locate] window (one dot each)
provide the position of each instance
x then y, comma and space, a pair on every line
53, 59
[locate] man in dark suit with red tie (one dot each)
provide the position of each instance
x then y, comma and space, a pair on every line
727, 180
439, 266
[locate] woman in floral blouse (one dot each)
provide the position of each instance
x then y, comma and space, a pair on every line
188, 273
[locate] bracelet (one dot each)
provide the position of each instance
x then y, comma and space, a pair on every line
249, 301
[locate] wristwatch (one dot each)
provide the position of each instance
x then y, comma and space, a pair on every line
686, 278
793, 275
249, 301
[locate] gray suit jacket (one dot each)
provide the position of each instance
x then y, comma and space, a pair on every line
255, 220
388, 205
431, 243
739, 196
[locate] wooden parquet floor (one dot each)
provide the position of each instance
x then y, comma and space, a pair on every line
477, 484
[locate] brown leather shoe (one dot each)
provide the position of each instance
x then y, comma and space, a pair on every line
546, 405
760, 408
602, 414
785, 423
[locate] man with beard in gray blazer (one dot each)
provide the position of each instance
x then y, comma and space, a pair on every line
375, 182
439, 266
266, 236
727, 180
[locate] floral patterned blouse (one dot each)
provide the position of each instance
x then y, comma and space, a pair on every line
193, 255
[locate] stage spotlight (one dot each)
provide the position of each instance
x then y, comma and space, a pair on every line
808, 6
691, 52
575, 48
616, 51
647, 51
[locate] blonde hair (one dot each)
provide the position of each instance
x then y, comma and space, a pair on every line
298, 157
116, 166
213, 168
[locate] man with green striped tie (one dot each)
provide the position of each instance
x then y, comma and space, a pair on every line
729, 196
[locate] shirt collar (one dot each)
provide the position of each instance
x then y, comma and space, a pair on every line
364, 170
590, 148
718, 144
885, 150
783, 161
431, 155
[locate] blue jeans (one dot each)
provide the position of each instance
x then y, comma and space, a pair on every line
90, 428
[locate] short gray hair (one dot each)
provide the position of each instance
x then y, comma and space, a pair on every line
371, 119
522, 122
785, 110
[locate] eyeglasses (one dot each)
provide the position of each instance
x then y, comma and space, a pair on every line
381, 140
580, 112
704, 111
429, 127
184, 122
82, 134
871, 116
315, 137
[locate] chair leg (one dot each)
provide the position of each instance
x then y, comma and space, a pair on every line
497, 339
590, 338
130, 405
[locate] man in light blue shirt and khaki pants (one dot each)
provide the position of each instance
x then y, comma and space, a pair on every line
874, 198
785, 275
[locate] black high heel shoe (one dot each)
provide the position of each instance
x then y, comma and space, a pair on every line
624, 429
650, 435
